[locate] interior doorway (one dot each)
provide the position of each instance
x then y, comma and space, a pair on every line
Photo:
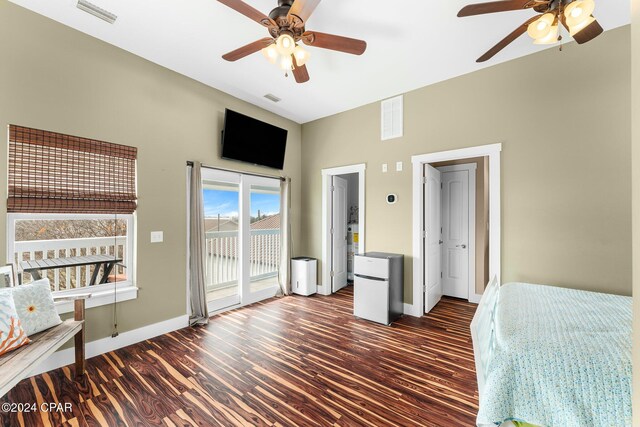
345, 234
456, 224
343, 225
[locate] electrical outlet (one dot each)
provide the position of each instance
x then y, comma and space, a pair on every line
384, 168
157, 237
398, 166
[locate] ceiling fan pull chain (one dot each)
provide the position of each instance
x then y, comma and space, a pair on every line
560, 39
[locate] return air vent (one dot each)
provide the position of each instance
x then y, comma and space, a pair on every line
392, 118
96, 11
273, 98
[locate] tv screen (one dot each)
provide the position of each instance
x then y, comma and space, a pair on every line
252, 141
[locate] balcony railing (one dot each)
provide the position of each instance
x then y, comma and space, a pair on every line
221, 261
72, 277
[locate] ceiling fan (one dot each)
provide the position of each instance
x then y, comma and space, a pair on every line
286, 25
576, 16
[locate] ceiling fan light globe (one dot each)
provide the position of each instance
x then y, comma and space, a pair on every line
301, 55
551, 38
579, 11
286, 63
285, 44
541, 27
271, 53
575, 29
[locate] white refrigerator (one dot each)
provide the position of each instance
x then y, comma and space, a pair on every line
378, 293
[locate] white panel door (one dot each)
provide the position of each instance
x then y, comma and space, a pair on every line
432, 240
339, 233
455, 233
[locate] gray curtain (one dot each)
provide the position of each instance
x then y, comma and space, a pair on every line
197, 286
284, 273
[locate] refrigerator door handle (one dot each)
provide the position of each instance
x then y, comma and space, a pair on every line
377, 279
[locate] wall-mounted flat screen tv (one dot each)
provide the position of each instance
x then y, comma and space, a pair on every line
249, 140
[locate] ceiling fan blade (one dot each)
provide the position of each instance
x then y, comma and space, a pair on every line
507, 40
249, 12
303, 9
248, 49
300, 71
333, 42
588, 33
498, 6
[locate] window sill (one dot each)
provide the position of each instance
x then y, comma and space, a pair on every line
99, 298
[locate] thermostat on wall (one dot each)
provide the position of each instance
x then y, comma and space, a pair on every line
392, 198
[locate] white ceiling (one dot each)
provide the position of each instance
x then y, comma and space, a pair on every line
411, 44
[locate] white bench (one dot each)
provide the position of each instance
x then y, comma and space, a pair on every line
18, 364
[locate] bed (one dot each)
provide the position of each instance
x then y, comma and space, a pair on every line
551, 356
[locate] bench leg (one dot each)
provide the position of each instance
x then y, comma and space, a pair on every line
79, 338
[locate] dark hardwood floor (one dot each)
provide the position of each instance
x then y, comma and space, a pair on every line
292, 361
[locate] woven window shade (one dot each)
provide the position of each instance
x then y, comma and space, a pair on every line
55, 173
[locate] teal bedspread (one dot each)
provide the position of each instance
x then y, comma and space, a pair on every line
562, 358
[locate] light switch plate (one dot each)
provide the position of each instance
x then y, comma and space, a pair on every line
157, 237
384, 168
398, 166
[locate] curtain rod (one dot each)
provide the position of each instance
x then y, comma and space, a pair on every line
281, 178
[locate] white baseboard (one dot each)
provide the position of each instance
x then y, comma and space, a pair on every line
105, 345
410, 310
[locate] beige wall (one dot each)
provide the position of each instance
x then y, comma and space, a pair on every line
58, 79
635, 83
482, 217
564, 121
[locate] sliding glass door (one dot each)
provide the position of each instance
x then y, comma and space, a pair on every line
221, 195
264, 243
242, 237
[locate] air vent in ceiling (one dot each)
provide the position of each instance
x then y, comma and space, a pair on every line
392, 118
96, 11
273, 98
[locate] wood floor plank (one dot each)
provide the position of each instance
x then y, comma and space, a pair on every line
291, 361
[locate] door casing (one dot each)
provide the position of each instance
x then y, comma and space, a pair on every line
492, 151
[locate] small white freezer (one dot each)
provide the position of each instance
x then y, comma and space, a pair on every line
378, 293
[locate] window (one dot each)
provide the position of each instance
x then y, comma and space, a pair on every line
72, 198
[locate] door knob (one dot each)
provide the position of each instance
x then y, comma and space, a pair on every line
461, 246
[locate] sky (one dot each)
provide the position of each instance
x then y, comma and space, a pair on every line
225, 203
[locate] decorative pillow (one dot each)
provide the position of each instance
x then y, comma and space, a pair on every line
35, 307
12, 335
